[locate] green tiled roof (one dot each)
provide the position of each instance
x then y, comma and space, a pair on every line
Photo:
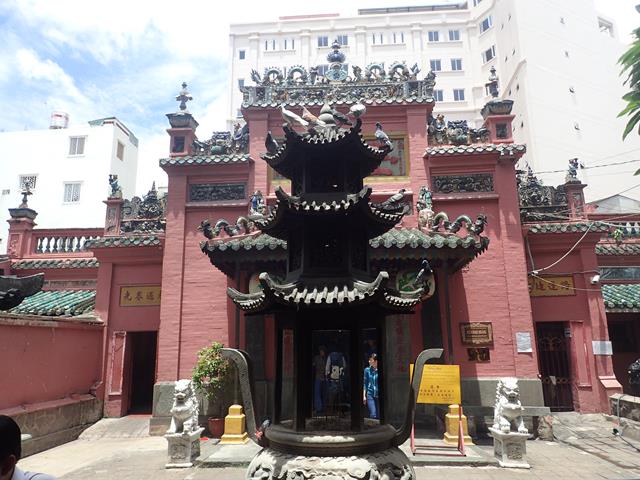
579, 227
397, 237
124, 241
58, 303
415, 238
207, 159
30, 264
622, 249
506, 149
621, 297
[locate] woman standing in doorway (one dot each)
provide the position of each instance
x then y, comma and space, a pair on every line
370, 390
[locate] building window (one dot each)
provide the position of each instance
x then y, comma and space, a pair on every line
241, 54
120, 150
438, 96
289, 44
458, 94
433, 36
76, 145
27, 181
435, 65
489, 54
323, 41
476, 2
398, 37
269, 44
377, 38
605, 27
71, 192
343, 39
456, 64
486, 24
454, 35
240, 82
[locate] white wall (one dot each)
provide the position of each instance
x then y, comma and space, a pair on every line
45, 153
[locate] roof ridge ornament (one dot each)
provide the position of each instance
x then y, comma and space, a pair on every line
183, 97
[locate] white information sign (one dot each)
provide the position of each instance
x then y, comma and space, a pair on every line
523, 342
602, 347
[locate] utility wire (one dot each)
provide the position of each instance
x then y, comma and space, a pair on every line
589, 167
535, 272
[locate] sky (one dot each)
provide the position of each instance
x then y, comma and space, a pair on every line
97, 58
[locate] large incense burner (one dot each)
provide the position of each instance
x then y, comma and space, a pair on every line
331, 312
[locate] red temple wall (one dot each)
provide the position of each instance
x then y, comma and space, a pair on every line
49, 361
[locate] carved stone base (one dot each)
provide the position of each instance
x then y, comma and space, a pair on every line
389, 464
510, 448
183, 448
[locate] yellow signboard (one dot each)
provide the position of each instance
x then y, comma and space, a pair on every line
139, 296
551, 286
439, 384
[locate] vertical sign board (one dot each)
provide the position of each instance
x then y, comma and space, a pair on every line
439, 384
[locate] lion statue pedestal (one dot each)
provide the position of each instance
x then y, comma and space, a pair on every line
508, 431
184, 433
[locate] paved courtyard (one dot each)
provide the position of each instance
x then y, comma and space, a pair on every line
121, 449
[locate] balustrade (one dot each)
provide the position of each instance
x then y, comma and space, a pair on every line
62, 241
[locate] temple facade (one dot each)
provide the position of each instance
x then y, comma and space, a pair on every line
518, 289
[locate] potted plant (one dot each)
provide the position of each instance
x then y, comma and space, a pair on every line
210, 375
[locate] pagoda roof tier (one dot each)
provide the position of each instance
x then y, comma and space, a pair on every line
398, 244
323, 144
376, 218
315, 293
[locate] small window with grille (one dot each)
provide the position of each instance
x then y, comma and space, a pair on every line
71, 192
27, 181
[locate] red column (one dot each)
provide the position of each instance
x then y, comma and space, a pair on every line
169, 334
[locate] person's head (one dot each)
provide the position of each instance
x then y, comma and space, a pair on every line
373, 360
322, 350
10, 446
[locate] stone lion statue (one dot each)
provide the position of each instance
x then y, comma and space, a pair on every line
185, 408
508, 409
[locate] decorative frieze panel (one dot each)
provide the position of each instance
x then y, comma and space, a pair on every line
478, 182
217, 192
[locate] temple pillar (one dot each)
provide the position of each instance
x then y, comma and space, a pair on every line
21, 225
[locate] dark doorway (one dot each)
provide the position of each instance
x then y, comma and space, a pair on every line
555, 370
143, 370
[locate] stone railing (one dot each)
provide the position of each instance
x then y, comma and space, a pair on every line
62, 241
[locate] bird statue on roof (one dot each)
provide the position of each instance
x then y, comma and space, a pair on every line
311, 118
357, 110
206, 229
293, 119
340, 118
270, 143
255, 76
394, 199
424, 271
478, 226
382, 137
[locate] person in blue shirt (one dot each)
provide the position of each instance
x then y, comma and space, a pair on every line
370, 390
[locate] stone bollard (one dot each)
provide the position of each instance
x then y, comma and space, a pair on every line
452, 426
235, 432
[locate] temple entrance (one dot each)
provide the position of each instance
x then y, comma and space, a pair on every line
555, 369
142, 346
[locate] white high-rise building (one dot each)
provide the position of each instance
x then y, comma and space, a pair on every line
557, 59
67, 170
